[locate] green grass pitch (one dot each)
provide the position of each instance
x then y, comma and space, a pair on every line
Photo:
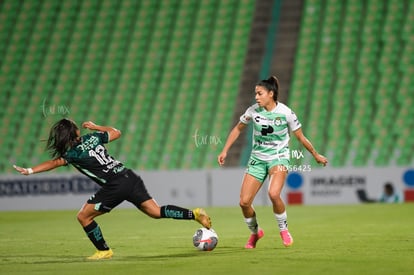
344, 239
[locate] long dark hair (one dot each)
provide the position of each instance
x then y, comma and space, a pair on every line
271, 84
63, 135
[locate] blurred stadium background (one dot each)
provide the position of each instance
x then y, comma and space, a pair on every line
175, 75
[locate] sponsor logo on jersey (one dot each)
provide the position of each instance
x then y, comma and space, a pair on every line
278, 121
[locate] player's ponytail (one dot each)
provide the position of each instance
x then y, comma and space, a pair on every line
271, 84
62, 136
275, 83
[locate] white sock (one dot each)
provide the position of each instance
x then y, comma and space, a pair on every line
282, 221
252, 224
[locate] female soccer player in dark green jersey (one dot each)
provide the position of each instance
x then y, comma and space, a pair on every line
270, 155
88, 154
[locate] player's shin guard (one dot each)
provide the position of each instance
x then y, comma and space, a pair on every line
95, 235
282, 221
252, 224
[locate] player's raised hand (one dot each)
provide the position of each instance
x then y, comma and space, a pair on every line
89, 125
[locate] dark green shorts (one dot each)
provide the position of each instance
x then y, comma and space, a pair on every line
128, 186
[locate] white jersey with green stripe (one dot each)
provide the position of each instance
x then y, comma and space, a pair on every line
271, 130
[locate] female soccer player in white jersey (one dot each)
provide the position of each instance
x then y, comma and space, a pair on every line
270, 155
118, 183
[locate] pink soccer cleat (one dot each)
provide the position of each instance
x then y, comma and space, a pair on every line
286, 238
251, 243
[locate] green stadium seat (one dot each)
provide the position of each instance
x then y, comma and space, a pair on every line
364, 61
123, 54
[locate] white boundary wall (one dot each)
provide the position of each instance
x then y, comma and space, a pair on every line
218, 187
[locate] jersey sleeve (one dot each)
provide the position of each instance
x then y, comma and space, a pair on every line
67, 157
246, 118
103, 136
293, 121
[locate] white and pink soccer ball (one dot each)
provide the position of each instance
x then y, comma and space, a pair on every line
205, 239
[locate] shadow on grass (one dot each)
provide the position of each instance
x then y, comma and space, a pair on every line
40, 259
120, 257
169, 255
67, 259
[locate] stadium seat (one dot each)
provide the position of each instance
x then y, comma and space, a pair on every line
366, 59
147, 63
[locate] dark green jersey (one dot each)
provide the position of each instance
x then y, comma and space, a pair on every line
91, 158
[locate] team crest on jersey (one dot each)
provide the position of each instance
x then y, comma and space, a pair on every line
278, 121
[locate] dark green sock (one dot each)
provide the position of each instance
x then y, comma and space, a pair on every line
176, 212
95, 235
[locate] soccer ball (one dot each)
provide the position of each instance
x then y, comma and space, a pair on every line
205, 239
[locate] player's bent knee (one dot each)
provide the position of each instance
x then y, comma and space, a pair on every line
244, 204
81, 218
274, 196
85, 216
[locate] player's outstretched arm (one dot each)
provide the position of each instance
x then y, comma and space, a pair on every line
113, 132
308, 145
42, 167
234, 134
